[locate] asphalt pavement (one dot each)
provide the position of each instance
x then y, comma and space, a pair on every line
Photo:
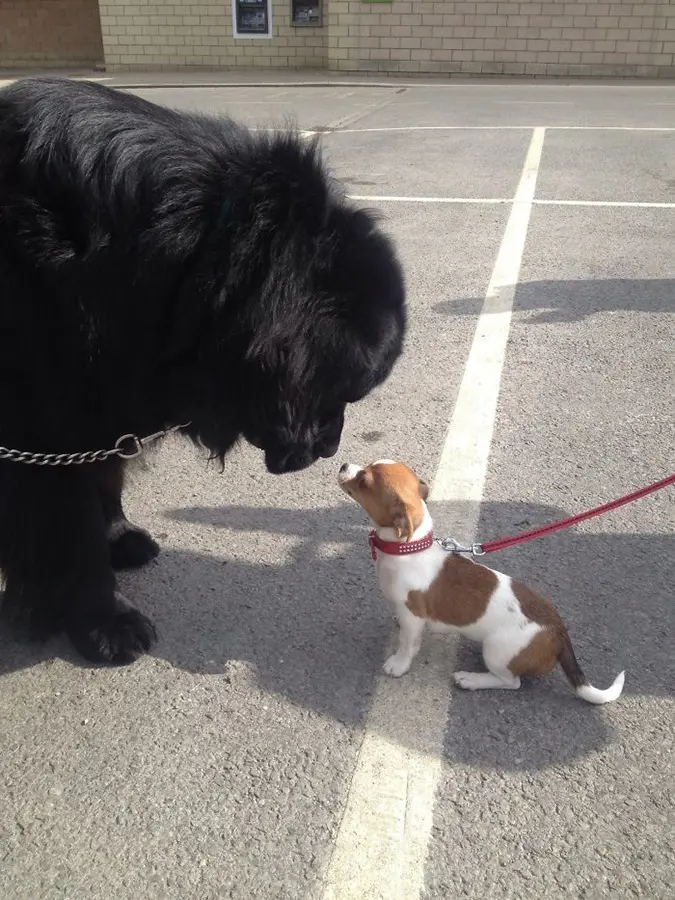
220, 766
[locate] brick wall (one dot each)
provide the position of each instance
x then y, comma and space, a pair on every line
49, 32
165, 34
513, 37
413, 37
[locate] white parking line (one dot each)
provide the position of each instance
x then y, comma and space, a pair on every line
380, 851
630, 204
634, 204
463, 463
503, 128
389, 199
434, 128
534, 102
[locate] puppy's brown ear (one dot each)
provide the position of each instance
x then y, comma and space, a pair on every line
424, 489
403, 522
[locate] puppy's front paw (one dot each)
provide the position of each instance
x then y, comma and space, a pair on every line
467, 680
396, 665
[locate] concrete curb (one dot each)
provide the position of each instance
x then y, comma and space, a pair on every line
293, 79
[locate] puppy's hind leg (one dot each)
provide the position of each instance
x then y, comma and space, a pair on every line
130, 546
481, 681
497, 653
410, 633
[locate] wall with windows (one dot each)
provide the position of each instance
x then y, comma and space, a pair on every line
619, 38
513, 37
166, 34
54, 33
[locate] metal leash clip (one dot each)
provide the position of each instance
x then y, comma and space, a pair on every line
452, 546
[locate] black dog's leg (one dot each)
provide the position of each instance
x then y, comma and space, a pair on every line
56, 560
130, 546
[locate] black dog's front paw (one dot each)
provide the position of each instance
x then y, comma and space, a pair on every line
132, 548
121, 637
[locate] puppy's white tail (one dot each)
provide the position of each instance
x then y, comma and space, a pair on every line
595, 695
578, 680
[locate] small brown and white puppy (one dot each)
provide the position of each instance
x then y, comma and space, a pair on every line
521, 633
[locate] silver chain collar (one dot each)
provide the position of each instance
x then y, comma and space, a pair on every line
129, 446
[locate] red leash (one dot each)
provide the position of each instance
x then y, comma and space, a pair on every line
503, 543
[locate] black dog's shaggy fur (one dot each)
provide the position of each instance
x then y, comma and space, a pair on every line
158, 268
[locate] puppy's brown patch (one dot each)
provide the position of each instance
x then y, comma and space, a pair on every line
458, 596
541, 655
537, 608
540, 651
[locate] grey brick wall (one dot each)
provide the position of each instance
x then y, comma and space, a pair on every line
511, 37
413, 37
198, 33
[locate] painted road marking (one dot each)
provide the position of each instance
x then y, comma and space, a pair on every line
380, 851
463, 464
390, 199
503, 128
631, 204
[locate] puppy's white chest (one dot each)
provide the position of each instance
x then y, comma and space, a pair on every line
389, 581
398, 575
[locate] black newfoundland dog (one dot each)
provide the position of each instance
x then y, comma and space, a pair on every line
159, 269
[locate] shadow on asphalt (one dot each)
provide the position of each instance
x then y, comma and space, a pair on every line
574, 301
316, 631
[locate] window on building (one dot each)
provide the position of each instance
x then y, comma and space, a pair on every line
306, 12
252, 18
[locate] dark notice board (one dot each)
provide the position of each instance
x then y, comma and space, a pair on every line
252, 17
306, 12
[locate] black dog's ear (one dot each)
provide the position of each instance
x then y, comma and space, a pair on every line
424, 489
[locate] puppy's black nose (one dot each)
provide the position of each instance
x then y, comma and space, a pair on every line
343, 468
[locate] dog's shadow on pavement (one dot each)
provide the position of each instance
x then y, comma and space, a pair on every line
317, 630
309, 619
574, 301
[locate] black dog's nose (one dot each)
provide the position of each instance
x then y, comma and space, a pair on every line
343, 468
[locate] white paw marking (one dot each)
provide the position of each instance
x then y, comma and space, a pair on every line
470, 681
467, 680
396, 665
475, 681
